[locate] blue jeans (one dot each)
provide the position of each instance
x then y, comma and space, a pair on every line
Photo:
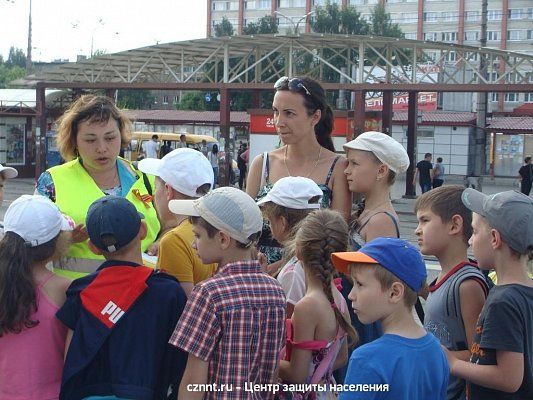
425, 187
215, 172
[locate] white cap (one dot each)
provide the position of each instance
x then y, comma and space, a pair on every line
228, 209
183, 169
294, 192
384, 147
35, 219
8, 172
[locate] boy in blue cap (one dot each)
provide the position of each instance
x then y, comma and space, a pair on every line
117, 343
406, 362
501, 364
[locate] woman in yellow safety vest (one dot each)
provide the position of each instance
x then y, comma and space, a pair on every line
91, 133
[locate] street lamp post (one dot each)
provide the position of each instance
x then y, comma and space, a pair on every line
290, 19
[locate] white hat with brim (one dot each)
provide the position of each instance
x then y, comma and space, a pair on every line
8, 172
227, 209
384, 147
185, 170
36, 219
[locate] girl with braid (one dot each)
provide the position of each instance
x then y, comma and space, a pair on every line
318, 332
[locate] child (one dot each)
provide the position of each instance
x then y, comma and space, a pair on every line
32, 340
121, 316
387, 274
501, 366
457, 295
181, 174
289, 201
232, 326
316, 333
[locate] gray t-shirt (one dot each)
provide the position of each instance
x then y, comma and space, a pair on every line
444, 320
438, 170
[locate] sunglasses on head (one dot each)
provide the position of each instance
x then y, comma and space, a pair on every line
294, 85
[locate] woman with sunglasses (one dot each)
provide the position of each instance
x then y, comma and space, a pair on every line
304, 122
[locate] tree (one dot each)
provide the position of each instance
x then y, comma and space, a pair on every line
334, 20
16, 58
381, 24
10, 74
266, 24
135, 99
224, 28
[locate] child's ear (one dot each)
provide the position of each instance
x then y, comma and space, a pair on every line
396, 292
456, 224
224, 240
169, 192
383, 170
93, 248
143, 230
495, 239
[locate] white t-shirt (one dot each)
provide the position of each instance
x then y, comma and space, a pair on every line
292, 279
150, 149
213, 159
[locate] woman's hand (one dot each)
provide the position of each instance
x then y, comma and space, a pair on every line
153, 249
79, 234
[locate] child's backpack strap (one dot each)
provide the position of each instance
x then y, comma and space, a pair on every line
453, 303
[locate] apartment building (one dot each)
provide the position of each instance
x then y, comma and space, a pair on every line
509, 24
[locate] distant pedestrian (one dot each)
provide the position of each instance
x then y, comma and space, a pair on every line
525, 175
424, 168
242, 163
182, 144
165, 149
203, 148
213, 156
438, 173
151, 147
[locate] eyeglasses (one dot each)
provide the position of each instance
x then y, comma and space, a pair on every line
294, 85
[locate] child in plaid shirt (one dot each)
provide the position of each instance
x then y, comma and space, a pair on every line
233, 323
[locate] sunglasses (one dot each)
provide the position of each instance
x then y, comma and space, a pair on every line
294, 85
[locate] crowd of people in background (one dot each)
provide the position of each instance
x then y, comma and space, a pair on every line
281, 291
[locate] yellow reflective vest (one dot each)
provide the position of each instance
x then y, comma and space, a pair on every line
75, 191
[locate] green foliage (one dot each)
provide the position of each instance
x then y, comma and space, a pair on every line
224, 28
196, 101
135, 99
16, 58
334, 20
265, 25
381, 24
10, 74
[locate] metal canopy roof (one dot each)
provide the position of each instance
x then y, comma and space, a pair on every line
264, 58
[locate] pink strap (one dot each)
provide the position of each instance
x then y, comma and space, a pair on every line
45, 280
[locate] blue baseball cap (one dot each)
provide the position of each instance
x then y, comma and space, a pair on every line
397, 256
114, 217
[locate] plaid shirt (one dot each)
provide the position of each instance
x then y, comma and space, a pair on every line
235, 321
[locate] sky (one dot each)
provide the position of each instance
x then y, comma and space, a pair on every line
62, 29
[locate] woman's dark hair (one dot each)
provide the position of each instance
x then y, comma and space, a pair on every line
18, 301
316, 100
439, 159
215, 149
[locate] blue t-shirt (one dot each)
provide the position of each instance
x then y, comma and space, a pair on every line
414, 369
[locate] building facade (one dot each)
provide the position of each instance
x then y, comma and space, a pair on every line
509, 25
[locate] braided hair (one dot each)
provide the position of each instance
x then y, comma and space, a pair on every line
321, 233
